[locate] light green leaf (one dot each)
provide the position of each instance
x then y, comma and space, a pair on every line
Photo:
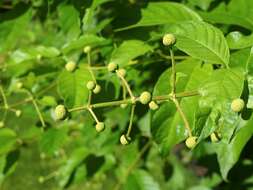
237, 40
202, 41
82, 41
167, 126
7, 140
52, 140
72, 86
128, 51
141, 180
237, 12
229, 153
159, 13
75, 159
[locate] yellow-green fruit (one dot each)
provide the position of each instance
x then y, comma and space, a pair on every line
123, 106
60, 112
214, 137
121, 72
18, 113
41, 179
100, 126
1, 124
97, 89
19, 85
91, 85
153, 106
70, 66
237, 105
87, 49
191, 142
169, 39
145, 97
112, 67
124, 140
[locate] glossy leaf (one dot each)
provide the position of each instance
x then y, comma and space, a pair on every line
201, 40
159, 13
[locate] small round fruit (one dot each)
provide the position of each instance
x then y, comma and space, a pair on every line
70, 66
214, 137
112, 67
1, 124
41, 179
19, 85
124, 140
91, 85
60, 112
153, 106
145, 97
191, 142
169, 39
121, 72
123, 106
86, 49
100, 126
97, 89
237, 105
18, 113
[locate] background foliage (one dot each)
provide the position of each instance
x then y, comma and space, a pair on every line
213, 55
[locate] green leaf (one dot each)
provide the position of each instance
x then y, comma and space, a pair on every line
141, 180
72, 86
237, 40
167, 126
11, 31
237, 12
82, 41
229, 153
69, 21
52, 140
202, 41
159, 13
76, 158
129, 50
7, 140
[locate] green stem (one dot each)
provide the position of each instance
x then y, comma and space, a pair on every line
6, 106
131, 120
174, 74
93, 115
129, 101
126, 85
90, 70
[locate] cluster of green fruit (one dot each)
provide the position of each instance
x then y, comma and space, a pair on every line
61, 112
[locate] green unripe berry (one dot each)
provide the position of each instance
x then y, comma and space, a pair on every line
169, 39
145, 97
70, 66
153, 106
41, 179
215, 137
97, 89
86, 49
237, 105
124, 140
112, 67
60, 112
91, 85
100, 126
123, 106
18, 113
191, 142
1, 124
19, 85
121, 72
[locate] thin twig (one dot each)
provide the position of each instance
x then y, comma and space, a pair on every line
126, 85
131, 120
